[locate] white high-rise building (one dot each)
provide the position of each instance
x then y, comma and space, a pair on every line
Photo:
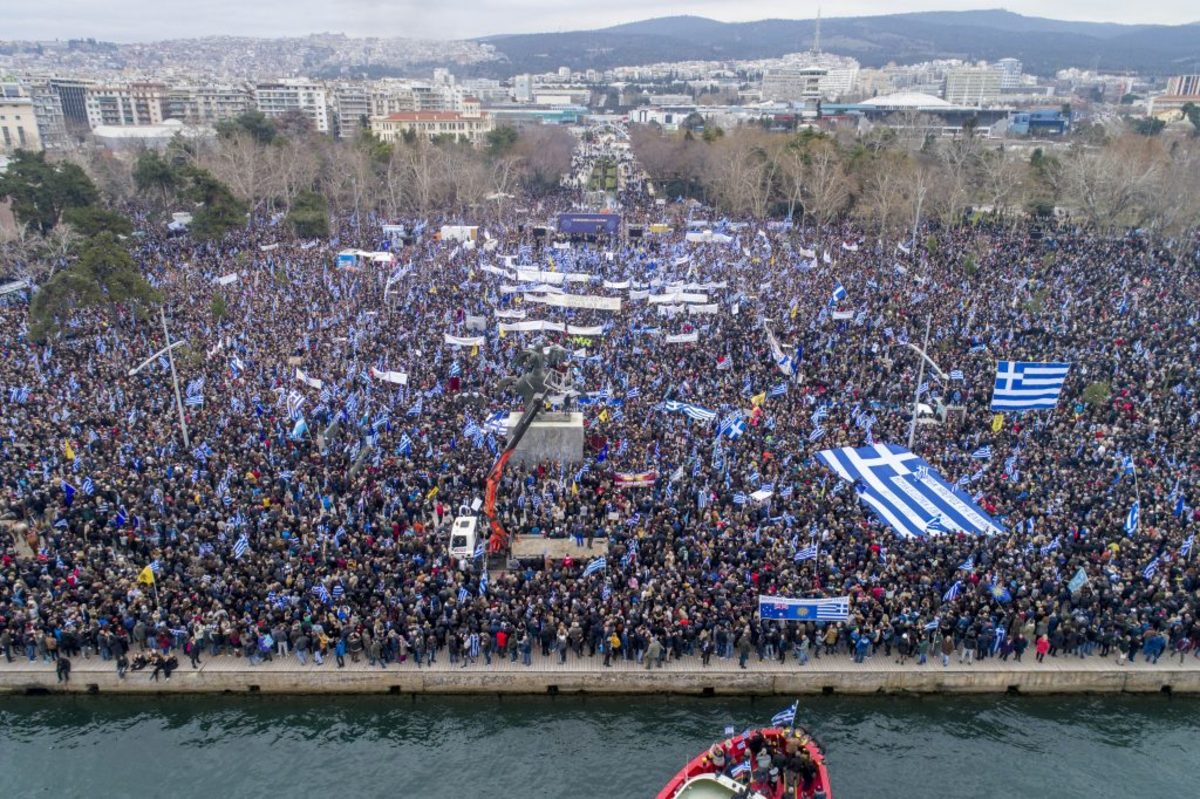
279, 97
972, 86
1010, 72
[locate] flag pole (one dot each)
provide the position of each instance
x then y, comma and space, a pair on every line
912, 427
174, 377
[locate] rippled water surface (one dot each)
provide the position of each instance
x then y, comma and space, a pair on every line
595, 747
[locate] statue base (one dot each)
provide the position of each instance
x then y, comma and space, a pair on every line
553, 436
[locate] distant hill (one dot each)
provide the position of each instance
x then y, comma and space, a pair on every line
1043, 45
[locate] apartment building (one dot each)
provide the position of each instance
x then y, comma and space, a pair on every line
207, 105
125, 105
18, 125
281, 97
975, 86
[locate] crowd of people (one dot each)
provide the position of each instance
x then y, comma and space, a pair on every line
309, 521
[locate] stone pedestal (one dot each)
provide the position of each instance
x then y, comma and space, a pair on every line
551, 437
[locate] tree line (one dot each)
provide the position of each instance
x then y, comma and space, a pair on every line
895, 177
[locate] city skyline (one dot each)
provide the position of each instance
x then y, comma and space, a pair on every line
145, 20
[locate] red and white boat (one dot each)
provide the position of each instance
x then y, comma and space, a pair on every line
726, 770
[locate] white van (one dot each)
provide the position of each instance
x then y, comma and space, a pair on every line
463, 538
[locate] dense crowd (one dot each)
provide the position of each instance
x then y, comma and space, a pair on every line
311, 522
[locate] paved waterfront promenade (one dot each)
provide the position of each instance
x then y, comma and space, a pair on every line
837, 674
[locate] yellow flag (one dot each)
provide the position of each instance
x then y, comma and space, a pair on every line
574, 488
433, 492
551, 259
604, 415
503, 334
792, 312
997, 422
70, 453
474, 350
758, 399
147, 576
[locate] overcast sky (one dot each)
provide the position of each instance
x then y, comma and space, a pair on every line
144, 20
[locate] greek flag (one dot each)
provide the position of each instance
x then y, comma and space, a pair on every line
1132, 519
819, 414
417, 408
88, 486
785, 717
1151, 568
1028, 385
483, 582
633, 393
455, 369
497, 423
19, 395
463, 594
597, 565
732, 426
739, 498
933, 625
983, 453
194, 400
294, 400
792, 609
953, 593
905, 496
817, 434
956, 374
480, 550
692, 411
405, 446
968, 565
808, 553
739, 769
1048, 548
839, 294
241, 547
1186, 549
321, 593
778, 390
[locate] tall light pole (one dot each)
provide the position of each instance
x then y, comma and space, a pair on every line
169, 352
912, 426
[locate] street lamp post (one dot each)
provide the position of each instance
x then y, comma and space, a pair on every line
169, 352
912, 426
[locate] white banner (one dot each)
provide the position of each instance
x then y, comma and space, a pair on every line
683, 338
697, 310
495, 270
670, 310
464, 341
533, 326
478, 323
399, 378
268, 247
619, 286
225, 280
577, 301
595, 330
578, 277
639, 295
311, 382
843, 314
537, 276
678, 296
510, 314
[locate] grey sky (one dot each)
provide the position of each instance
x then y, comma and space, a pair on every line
143, 20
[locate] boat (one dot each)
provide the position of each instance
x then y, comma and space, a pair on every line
736, 779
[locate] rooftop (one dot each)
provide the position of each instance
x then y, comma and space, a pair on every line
907, 100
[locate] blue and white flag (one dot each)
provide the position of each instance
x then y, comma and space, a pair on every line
89, 487
983, 453
839, 294
905, 496
1028, 385
455, 369
1186, 549
241, 547
68, 492
483, 582
783, 608
809, 552
463, 593
817, 434
194, 400
1132, 518
953, 593
497, 423
597, 565
785, 717
968, 565
733, 426
778, 390
692, 411
956, 374
1151, 568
